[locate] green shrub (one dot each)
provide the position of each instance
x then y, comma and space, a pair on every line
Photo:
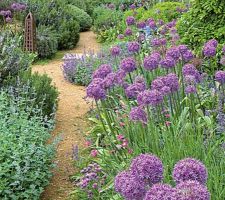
47, 42
81, 16
12, 58
139, 13
55, 13
204, 21
39, 88
78, 3
25, 158
69, 34
166, 11
106, 18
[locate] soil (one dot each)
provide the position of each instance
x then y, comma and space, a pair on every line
70, 120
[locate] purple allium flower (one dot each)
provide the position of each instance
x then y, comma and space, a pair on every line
190, 79
8, 20
165, 90
209, 51
172, 81
222, 61
171, 24
173, 52
141, 25
151, 23
148, 168
18, 7
190, 169
129, 186
150, 97
128, 32
191, 190
141, 37
133, 47
109, 80
115, 51
120, 36
6, 13
182, 48
213, 42
119, 78
187, 56
223, 49
158, 42
190, 89
190, 69
151, 63
168, 62
155, 42
132, 6
95, 89
128, 64
138, 114
102, 71
220, 77
157, 84
133, 90
130, 20
159, 191
111, 6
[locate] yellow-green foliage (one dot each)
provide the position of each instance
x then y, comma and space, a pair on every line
139, 13
166, 11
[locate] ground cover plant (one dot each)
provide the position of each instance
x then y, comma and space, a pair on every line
159, 107
26, 160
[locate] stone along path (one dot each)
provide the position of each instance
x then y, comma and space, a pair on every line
70, 120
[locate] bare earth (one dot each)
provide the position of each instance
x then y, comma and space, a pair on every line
70, 120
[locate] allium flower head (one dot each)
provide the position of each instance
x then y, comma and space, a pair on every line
182, 48
150, 97
209, 51
190, 89
187, 56
129, 186
172, 81
212, 42
151, 63
190, 169
120, 36
148, 168
8, 20
141, 25
220, 77
191, 190
119, 78
115, 51
130, 20
128, 32
222, 61
95, 89
157, 84
109, 80
190, 69
173, 52
138, 114
133, 47
159, 191
128, 64
102, 71
168, 62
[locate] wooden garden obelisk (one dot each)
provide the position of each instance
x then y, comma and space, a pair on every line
30, 34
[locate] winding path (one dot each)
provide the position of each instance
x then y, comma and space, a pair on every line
70, 120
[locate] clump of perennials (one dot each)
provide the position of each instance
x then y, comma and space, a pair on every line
91, 180
143, 181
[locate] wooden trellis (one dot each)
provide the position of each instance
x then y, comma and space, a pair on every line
30, 34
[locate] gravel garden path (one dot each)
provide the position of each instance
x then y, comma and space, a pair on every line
70, 120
